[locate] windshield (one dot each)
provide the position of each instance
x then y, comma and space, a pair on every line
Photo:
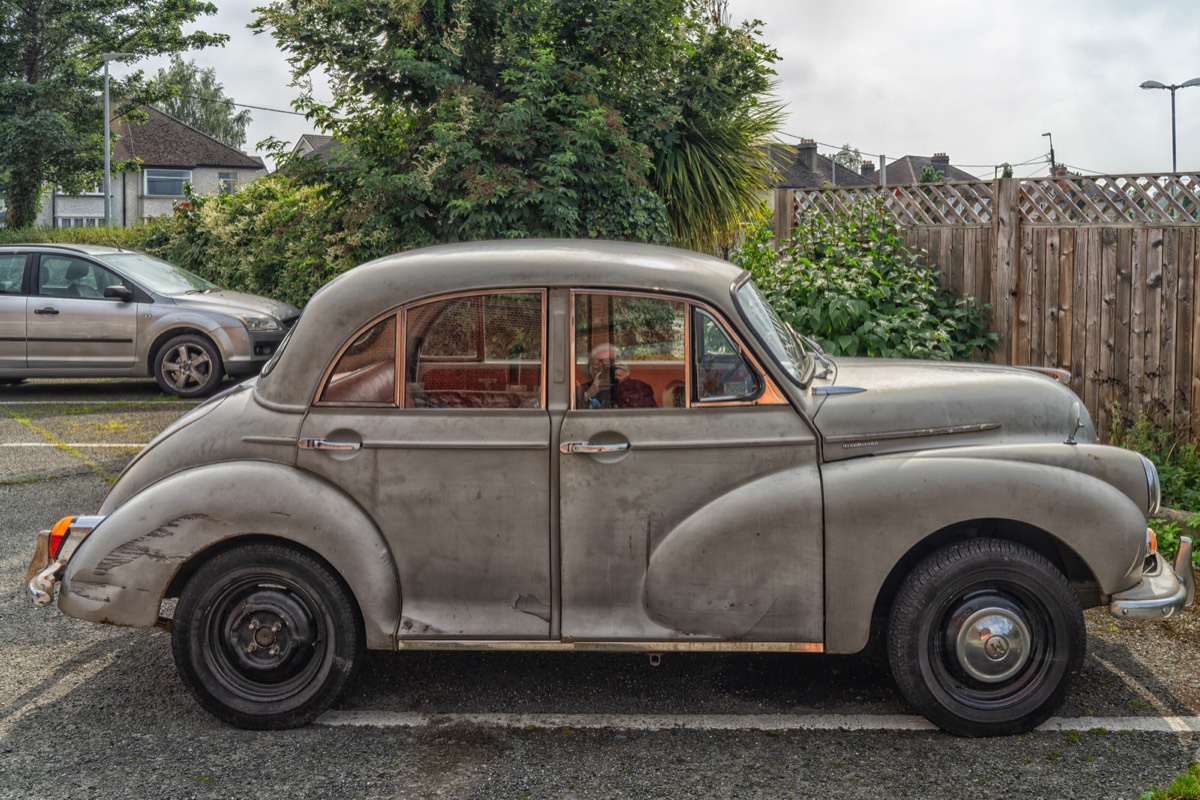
773, 332
157, 275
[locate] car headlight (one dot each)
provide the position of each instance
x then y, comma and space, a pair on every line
261, 324
1154, 488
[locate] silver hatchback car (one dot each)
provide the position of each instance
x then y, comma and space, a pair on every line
71, 311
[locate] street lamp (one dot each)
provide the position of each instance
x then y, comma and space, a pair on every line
1171, 88
107, 57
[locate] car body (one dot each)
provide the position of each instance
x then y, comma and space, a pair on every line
71, 311
423, 465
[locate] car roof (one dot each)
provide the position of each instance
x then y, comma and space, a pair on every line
43, 247
353, 299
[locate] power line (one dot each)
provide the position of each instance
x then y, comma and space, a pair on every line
241, 105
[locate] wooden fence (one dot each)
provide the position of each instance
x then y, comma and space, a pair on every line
1099, 276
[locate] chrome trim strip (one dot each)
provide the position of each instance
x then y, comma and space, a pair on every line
289, 441
819, 390
478, 445
717, 443
714, 646
1054, 372
915, 433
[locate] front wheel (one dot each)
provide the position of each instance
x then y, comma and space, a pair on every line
189, 366
985, 638
266, 636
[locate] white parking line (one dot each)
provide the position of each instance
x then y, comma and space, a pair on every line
731, 722
73, 444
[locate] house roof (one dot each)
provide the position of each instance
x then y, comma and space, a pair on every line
795, 174
909, 169
163, 141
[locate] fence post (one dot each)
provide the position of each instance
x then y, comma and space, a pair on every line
1006, 262
785, 215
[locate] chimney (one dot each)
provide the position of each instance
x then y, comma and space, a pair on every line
806, 154
1060, 171
940, 160
867, 168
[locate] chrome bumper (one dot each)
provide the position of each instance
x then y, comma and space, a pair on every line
1162, 591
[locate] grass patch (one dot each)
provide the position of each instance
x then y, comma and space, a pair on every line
1186, 786
94, 466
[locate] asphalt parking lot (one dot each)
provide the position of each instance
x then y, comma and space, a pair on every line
97, 712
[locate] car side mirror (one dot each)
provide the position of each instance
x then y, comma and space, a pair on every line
120, 292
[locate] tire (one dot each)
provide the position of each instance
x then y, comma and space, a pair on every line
188, 366
11, 381
266, 637
1026, 650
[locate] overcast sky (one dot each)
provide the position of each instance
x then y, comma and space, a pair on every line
981, 81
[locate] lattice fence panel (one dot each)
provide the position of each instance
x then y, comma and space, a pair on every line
966, 203
1170, 199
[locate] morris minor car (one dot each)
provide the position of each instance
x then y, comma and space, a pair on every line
596, 446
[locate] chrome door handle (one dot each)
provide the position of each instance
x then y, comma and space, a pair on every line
325, 444
588, 447
49, 310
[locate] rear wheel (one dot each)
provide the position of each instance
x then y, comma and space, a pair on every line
188, 366
266, 637
985, 638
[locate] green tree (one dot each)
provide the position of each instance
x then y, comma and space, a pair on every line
930, 174
1006, 170
198, 99
849, 157
51, 77
483, 118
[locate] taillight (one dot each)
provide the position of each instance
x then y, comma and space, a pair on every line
58, 535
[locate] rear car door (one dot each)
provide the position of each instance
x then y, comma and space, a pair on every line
72, 327
13, 299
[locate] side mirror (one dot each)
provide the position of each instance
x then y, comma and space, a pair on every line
120, 292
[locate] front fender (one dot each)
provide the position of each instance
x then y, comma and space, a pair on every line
878, 509
121, 571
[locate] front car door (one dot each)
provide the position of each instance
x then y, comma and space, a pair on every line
690, 494
452, 461
72, 327
13, 299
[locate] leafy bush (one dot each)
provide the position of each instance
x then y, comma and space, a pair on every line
133, 237
853, 283
1177, 458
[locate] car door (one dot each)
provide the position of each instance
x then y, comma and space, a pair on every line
12, 310
72, 327
452, 461
690, 497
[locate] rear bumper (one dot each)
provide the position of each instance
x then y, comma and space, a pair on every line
1163, 590
41, 579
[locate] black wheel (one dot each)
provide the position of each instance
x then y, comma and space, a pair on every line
11, 381
266, 637
985, 638
189, 366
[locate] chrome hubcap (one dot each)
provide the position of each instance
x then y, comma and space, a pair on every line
990, 639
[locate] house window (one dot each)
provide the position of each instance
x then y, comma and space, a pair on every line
78, 222
92, 190
227, 182
166, 182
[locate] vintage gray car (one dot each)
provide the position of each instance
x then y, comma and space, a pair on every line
75, 311
568, 445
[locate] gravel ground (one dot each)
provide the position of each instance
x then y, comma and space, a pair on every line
94, 712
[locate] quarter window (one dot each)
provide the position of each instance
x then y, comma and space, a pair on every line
166, 182
366, 371
12, 273
722, 375
477, 351
630, 352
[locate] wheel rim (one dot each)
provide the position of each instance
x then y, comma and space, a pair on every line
265, 639
186, 366
993, 647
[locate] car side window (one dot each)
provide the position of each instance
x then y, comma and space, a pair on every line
64, 276
366, 370
475, 351
12, 273
721, 373
629, 351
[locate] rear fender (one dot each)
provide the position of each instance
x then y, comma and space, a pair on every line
121, 571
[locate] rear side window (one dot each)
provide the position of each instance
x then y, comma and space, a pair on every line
366, 371
12, 273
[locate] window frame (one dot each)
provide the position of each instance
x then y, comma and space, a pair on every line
768, 393
146, 180
228, 181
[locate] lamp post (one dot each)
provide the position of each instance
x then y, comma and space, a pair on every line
1171, 88
1053, 164
107, 57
